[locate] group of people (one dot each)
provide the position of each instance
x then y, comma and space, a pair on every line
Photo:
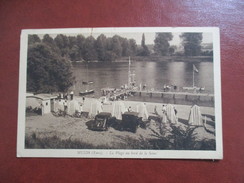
67, 105
169, 113
168, 87
66, 96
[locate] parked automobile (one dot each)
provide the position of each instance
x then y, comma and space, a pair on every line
102, 121
130, 121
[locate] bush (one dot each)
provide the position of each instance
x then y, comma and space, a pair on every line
178, 138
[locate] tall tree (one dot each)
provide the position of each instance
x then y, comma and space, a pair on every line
62, 43
161, 43
132, 46
72, 41
47, 71
74, 51
48, 40
80, 41
192, 43
145, 51
90, 52
109, 55
125, 47
116, 45
101, 45
33, 39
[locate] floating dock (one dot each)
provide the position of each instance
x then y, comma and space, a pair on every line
172, 94
163, 94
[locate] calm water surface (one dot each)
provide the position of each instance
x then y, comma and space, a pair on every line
153, 74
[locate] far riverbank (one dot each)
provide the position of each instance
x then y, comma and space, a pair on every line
168, 59
150, 58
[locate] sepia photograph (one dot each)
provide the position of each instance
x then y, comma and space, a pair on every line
148, 92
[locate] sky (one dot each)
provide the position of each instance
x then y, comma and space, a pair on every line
149, 37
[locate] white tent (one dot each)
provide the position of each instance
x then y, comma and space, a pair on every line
72, 107
118, 108
195, 117
95, 108
170, 112
142, 110
55, 106
59, 105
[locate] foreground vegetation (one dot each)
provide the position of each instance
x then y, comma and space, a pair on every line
172, 138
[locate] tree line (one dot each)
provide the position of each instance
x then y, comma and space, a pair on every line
80, 48
191, 43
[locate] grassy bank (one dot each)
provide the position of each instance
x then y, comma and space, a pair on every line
51, 132
177, 138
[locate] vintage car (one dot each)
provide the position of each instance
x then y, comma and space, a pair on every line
102, 121
130, 121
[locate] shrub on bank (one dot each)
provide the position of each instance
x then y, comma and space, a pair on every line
177, 139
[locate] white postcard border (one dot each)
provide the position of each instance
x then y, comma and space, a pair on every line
101, 153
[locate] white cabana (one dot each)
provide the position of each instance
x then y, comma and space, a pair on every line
142, 110
118, 108
72, 107
170, 112
43, 101
195, 117
33, 102
59, 105
95, 108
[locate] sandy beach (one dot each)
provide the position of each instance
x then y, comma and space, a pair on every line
76, 129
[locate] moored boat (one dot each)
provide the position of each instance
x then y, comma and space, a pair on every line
87, 82
87, 92
194, 88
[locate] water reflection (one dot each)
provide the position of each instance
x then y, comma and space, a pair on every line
153, 74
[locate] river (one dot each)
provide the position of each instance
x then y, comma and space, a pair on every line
153, 74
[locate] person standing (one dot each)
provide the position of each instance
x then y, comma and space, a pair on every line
155, 110
65, 107
164, 118
164, 87
129, 109
176, 118
41, 109
164, 109
71, 95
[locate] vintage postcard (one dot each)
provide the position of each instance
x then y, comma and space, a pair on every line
148, 92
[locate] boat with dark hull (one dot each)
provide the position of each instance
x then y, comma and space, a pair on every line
87, 82
87, 92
